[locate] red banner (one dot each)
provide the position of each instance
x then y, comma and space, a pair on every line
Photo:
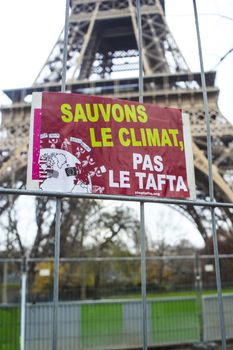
100, 145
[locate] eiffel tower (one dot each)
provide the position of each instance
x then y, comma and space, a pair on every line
103, 59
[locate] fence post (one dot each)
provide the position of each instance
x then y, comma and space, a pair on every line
58, 201
143, 275
4, 283
142, 208
23, 303
56, 273
198, 286
211, 184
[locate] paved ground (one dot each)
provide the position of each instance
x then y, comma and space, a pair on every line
207, 346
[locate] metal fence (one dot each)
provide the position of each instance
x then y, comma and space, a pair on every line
179, 307
211, 330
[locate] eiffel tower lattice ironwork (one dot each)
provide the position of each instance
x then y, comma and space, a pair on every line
103, 60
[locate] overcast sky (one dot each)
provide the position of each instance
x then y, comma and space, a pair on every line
30, 28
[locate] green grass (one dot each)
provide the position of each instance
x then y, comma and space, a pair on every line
103, 323
171, 294
174, 321
9, 328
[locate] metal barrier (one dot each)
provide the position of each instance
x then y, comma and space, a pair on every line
211, 329
113, 324
189, 317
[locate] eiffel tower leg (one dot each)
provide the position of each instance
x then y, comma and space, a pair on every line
86, 41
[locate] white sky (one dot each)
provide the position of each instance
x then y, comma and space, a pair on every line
30, 28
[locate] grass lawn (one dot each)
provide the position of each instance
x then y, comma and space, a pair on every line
171, 294
101, 324
9, 328
174, 321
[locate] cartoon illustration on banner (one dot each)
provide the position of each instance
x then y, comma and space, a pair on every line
90, 144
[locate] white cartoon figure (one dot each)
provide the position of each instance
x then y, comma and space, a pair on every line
61, 168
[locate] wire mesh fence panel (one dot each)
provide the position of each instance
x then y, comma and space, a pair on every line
168, 274
91, 279
39, 281
208, 273
84, 280
10, 280
93, 312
